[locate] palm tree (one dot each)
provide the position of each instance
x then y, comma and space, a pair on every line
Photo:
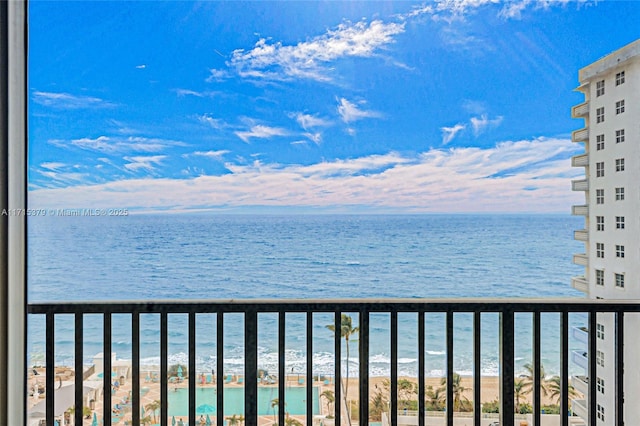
519, 391
275, 404
555, 389
235, 419
406, 389
330, 397
528, 379
346, 331
290, 421
436, 397
146, 421
153, 406
458, 390
379, 404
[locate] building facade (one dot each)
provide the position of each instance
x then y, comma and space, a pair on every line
611, 235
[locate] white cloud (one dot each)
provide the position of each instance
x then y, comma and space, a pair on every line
217, 75
209, 120
112, 145
261, 132
350, 112
307, 121
448, 133
521, 176
217, 155
482, 123
148, 163
141, 66
308, 59
53, 166
188, 92
68, 101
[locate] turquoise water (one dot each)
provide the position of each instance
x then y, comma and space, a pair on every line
295, 400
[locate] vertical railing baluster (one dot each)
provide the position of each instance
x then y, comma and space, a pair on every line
449, 337
220, 368
592, 342
309, 365
192, 368
135, 361
251, 366
506, 366
421, 369
337, 343
477, 368
281, 366
50, 363
619, 368
164, 399
106, 370
79, 373
394, 367
564, 368
537, 364
364, 366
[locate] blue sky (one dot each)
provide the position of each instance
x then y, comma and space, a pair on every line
444, 106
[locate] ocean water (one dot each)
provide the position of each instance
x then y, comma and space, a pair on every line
154, 257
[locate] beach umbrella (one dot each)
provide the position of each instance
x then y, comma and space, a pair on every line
180, 371
208, 421
95, 419
173, 421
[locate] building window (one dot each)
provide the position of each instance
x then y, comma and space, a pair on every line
599, 142
599, 277
600, 115
619, 194
600, 385
619, 78
620, 280
600, 169
619, 164
599, 196
599, 223
600, 88
600, 331
600, 410
619, 251
619, 222
620, 107
600, 250
619, 135
600, 358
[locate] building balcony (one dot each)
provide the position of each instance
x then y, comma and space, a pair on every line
580, 135
579, 408
581, 235
581, 259
581, 110
581, 160
580, 283
581, 210
581, 359
580, 185
581, 384
580, 334
214, 320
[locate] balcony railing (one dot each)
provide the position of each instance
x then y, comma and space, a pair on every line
580, 185
581, 235
362, 310
580, 110
580, 282
580, 210
580, 135
581, 160
581, 259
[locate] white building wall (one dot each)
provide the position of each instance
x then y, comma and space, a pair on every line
606, 69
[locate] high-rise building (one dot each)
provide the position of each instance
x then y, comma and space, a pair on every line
611, 160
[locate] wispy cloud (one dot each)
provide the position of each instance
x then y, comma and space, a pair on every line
107, 144
216, 155
147, 163
448, 133
261, 132
141, 66
68, 101
203, 94
308, 121
350, 112
210, 121
513, 176
217, 75
309, 59
482, 123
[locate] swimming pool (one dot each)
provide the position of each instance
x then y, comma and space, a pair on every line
295, 399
